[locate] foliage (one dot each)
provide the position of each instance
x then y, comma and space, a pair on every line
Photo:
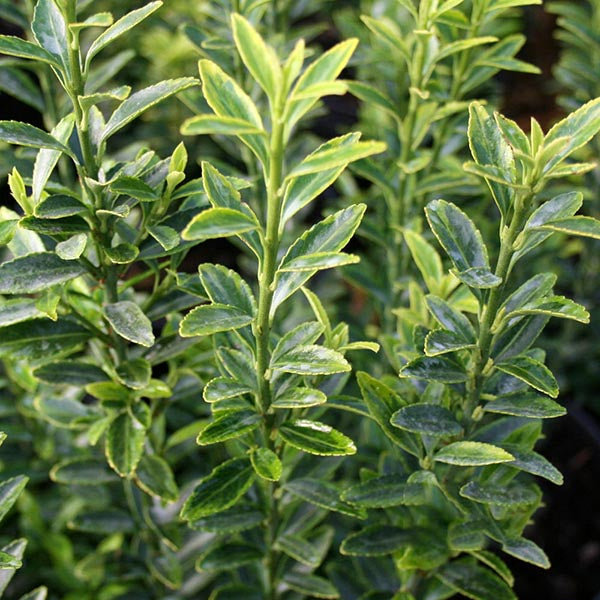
176, 344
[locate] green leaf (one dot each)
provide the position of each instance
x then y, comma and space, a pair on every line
222, 388
7, 561
213, 318
66, 226
260, 59
299, 397
513, 494
234, 520
229, 424
474, 581
489, 147
266, 464
15, 549
59, 206
427, 419
462, 45
218, 125
42, 340
319, 261
328, 157
166, 236
124, 444
82, 471
316, 438
527, 551
103, 522
228, 557
219, 490
554, 306
577, 129
108, 391
70, 372
325, 68
228, 99
14, 46
36, 272
457, 234
155, 477
479, 277
582, 226
17, 311
301, 335
134, 187
128, 320
123, 25
10, 490
141, 101
529, 404
382, 403
311, 360
134, 373
122, 254
472, 454
311, 585
299, 549
50, 31
451, 319
301, 190
379, 540
441, 341
435, 368
23, 134
329, 235
534, 463
532, 372
384, 492
218, 222
72, 248
426, 258
225, 286
46, 159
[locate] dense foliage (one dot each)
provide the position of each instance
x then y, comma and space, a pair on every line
249, 352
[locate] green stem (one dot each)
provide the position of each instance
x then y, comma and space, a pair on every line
481, 354
262, 330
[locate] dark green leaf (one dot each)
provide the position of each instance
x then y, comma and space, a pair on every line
70, 372
56, 207
582, 226
124, 444
219, 490
103, 522
213, 318
474, 581
311, 585
23, 134
14, 46
527, 551
154, 476
228, 556
299, 397
529, 404
134, 187
228, 425
532, 372
10, 490
384, 492
239, 518
534, 463
427, 419
128, 320
311, 360
513, 495
435, 368
50, 31
82, 471
224, 286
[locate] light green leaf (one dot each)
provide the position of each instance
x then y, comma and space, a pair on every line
229, 424
534, 463
141, 101
134, 373
532, 372
219, 490
128, 320
427, 419
320, 261
218, 125
123, 25
72, 248
513, 494
472, 454
316, 438
36, 272
266, 464
260, 59
462, 45
329, 235
327, 157
222, 388
323, 88
134, 187
555, 306
299, 397
166, 236
582, 226
212, 318
426, 258
311, 360
228, 99
14, 46
225, 286
219, 222
15, 549
124, 444
122, 254
10, 490
50, 31
155, 477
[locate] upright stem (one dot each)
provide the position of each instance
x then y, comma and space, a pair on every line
263, 331
482, 352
